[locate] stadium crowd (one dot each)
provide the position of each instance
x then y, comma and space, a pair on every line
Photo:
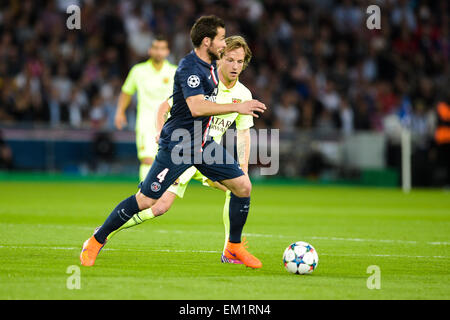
315, 63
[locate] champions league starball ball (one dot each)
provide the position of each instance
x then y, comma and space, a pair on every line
300, 258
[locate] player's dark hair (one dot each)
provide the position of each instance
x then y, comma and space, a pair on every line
161, 37
205, 27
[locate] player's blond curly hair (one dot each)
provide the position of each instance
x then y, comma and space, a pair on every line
236, 42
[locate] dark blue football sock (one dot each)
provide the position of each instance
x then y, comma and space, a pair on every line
121, 214
238, 216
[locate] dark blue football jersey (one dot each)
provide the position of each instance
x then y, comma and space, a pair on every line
193, 77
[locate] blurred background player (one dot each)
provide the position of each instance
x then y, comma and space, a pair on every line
153, 82
234, 59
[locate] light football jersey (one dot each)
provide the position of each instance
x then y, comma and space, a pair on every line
220, 123
153, 87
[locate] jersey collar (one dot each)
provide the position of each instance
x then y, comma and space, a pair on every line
203, 62
149, 61
222, 86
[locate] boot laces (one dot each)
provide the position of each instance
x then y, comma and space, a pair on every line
244, 243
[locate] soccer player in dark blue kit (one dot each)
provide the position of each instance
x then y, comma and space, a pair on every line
185, 135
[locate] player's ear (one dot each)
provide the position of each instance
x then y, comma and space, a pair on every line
206, 41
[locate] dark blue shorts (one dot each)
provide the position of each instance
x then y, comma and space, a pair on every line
214, 162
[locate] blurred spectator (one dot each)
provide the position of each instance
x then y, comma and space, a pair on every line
315, 64
307, 118
5, 154
78, 104
97, 115
287, 113
325, 57
104, 150
54, 108
346, 117
348, 17
386, 98
361, 118
403, 14
330, 97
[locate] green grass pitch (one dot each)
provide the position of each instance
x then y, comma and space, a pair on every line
177, 256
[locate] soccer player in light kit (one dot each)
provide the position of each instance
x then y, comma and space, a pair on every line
195, 90
234, 59
153, 82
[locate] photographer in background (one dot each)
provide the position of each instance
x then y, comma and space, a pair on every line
442, 136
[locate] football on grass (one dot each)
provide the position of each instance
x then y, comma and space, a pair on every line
300, 258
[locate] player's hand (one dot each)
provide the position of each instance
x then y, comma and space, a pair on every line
157, 137
251, 107
120, 120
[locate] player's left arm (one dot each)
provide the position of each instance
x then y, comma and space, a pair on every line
243, 148
243, 125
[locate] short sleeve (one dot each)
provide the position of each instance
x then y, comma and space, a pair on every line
191, 82
129, 86
244, 121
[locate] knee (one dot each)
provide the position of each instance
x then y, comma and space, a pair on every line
147, 161
244, 190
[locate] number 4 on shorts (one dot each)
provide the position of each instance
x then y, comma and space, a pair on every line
162, 175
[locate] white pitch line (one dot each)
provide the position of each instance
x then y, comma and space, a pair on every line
444, 243
382, 255
108, 249
432, 243
218, 252
351, 239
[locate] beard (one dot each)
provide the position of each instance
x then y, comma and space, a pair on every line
212, 55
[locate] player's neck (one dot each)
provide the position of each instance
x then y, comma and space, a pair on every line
226, 82
157, 64
203, 55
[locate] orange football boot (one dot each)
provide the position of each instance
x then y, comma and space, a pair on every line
237, 251
91, 248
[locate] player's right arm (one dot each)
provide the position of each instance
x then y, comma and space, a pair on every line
200, 107
194, 95
128, 89
161, 117
120, 119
